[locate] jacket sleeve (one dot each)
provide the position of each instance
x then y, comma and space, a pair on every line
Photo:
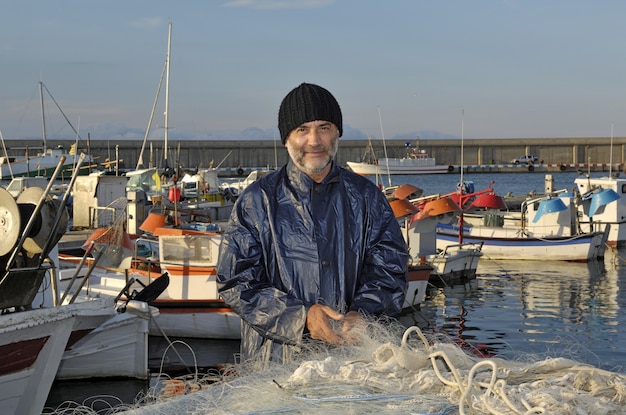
383, 279
244, 285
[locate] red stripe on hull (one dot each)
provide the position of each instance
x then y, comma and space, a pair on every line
19, 356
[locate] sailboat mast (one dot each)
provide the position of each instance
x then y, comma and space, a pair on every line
167, 89
43, 117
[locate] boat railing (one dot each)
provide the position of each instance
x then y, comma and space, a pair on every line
144, 259
477, 246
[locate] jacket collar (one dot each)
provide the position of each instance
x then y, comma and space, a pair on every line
304, 183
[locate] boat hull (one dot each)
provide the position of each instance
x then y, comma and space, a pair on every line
613, 214
106, 343
418, 282
31, 347
456, 262
367, 169
42, 165
190, 319
189, 307
579, 248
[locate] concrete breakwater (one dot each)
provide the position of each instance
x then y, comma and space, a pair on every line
238, 156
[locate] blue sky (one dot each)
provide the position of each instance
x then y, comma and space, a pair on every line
399, 68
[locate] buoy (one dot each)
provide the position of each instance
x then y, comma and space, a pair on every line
450, 168
173, 194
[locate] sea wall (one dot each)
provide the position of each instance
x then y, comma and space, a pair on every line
575, 152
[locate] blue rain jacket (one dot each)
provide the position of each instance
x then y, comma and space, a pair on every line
291, 243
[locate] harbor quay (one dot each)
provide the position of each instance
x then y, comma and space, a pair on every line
238, 157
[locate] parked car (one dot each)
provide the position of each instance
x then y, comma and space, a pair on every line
525, 160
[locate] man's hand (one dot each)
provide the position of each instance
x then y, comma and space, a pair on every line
318, 322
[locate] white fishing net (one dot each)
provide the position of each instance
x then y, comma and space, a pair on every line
391, 371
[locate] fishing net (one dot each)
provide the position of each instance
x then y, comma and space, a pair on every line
392, 371
109, 243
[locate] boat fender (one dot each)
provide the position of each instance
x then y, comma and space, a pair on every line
562, 167
240, 171
450, 168
531, 167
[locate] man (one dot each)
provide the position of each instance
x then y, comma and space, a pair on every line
312, 248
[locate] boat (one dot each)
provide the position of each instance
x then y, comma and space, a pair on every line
190, 306
596, 208
545, 229
19, 184
419, 216
178, 189
33, 336
416, 161
108, 338
31, 347
234, 188
452, 263
142, 239
44, 162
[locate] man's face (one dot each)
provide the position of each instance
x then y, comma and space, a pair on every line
312, 146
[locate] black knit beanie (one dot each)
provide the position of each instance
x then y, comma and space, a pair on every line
305, 103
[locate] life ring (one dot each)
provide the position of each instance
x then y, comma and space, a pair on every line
531, 167
240, 171
450, 168
562, 167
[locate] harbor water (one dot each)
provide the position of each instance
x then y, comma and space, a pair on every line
530, 309
522, 310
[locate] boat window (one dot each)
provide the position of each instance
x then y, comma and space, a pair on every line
198, 250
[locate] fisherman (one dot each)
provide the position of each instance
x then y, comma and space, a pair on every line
311, 249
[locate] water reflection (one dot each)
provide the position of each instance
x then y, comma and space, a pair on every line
534, 310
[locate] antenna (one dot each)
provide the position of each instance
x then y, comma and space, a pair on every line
611, 153
462, 133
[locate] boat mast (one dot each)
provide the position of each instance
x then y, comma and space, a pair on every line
380, 120
145, 137
167, 90
43, 117
461, 182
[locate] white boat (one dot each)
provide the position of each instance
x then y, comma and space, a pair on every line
596, 209
34, 337
179, 239
102, 339
545, 229
456, 262
41, 164
190, 306
236, 187
416, 161
31, 347
105, 343
19, 184
419, 217
44, 162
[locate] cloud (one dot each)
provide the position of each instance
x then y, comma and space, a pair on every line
147, 23
278, 4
